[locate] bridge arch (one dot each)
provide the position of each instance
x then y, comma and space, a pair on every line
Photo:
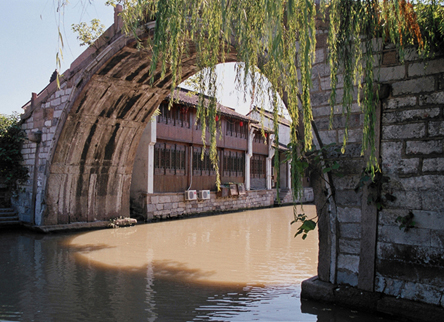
91, 154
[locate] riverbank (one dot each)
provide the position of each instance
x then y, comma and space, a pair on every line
96, 225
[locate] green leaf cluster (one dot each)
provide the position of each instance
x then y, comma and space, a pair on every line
277, 38
406, 222
430, 16
375, 186
314, 160
11, 138
306, 226
88, 34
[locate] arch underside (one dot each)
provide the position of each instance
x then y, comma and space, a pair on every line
90, 173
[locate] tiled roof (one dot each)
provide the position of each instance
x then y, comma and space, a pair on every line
259, 127
188, 98
269, 115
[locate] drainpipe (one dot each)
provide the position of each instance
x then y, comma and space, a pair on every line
289, 175
190, 161
270, 156
151, 143
248, 156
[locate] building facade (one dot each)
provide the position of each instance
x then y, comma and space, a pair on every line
172, 158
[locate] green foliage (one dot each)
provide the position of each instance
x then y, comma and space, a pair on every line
430, 17
315, 159
11, 139
406, 221
375, 185
306, 226
269, 35
87, 34
278, 39
311, 160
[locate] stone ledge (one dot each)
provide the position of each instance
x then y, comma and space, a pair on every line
73, 226
375, 302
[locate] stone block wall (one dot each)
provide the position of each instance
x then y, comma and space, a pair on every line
167, 205
170, 205
366, 248
341, 264
410, 263
40, 123
258, 183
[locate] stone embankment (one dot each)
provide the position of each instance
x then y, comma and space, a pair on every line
170, 205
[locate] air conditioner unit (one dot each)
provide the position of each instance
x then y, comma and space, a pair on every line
204, 194
190, 195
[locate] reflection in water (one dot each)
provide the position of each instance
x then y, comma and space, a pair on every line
237, 267
251, 247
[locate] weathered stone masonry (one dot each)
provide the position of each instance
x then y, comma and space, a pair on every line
170, 205
41, 127
360, 246
410, 264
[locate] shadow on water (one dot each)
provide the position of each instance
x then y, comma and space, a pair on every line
89, 248
135, 274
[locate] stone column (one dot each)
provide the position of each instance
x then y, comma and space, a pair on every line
289, 174
142, 181
152, 139
248, 156
118, 21
269, 169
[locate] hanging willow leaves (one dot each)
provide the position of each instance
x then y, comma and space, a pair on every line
278, 39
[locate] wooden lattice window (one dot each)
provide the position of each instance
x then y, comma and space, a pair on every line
176, 116
234, 163
162, 117
169, 159
179, 158
257, 168
158, 157
259, 138
236, 128
197, 162
241, 164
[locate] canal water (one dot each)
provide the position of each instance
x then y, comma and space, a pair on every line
245, 266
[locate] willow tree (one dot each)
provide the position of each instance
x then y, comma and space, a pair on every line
278, 39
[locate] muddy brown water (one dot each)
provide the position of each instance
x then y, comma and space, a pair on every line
244, 266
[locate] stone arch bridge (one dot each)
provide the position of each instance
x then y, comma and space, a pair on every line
90, 129
83, 139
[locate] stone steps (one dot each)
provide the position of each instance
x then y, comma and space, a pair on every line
8, 217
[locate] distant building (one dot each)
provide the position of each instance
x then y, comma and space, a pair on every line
266, 119
169, 158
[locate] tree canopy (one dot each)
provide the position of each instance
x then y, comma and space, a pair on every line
11, 138
278, 39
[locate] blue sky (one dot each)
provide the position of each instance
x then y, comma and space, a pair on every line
29, 43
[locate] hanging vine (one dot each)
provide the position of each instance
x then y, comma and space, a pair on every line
278, 37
